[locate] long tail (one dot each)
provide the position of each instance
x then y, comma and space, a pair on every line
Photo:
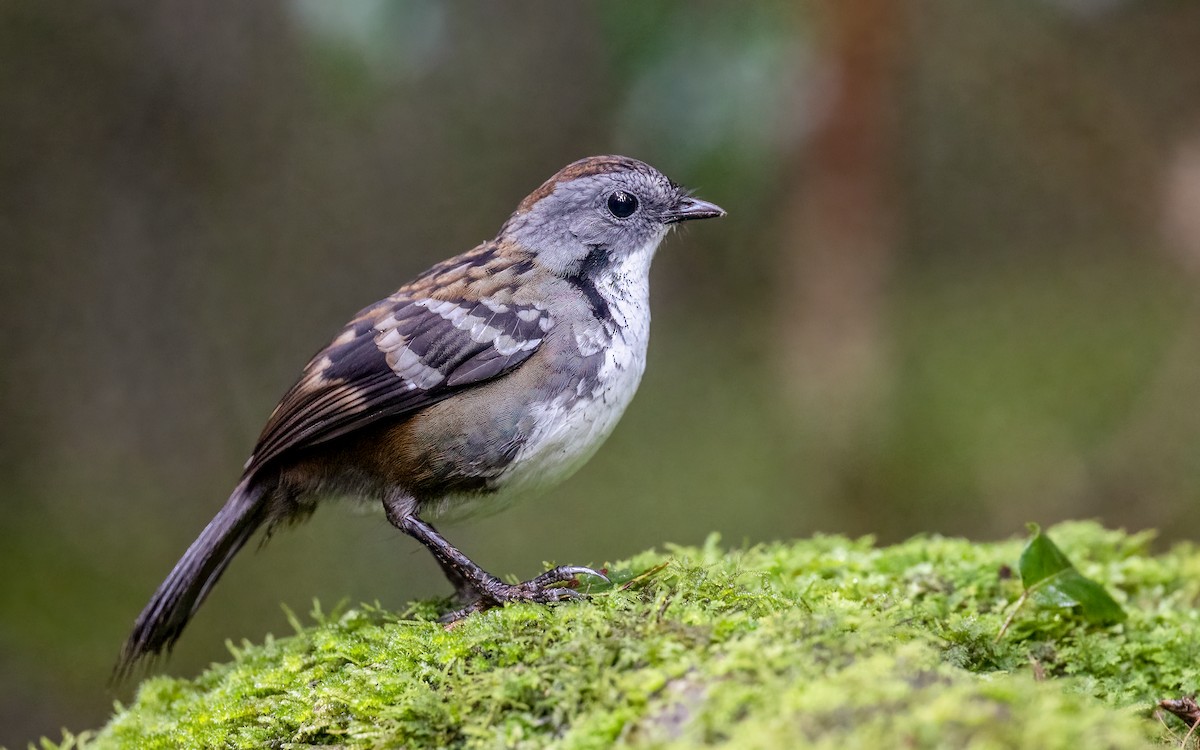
181, 594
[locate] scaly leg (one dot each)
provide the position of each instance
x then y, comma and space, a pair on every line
480, 589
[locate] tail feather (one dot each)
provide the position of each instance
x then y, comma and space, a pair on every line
180, 595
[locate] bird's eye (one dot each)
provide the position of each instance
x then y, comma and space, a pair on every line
622, 204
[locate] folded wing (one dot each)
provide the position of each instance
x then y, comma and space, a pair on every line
396, 357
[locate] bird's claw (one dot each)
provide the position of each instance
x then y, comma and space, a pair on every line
564, 573
542, 590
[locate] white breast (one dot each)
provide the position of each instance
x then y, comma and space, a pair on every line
571, 427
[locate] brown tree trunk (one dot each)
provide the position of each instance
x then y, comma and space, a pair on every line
840, 224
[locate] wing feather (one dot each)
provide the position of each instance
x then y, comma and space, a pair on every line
401, 355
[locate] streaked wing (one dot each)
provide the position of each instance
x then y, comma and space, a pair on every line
405, 353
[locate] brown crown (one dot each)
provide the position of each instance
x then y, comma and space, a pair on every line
586, 167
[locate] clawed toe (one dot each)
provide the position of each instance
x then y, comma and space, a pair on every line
564, 573
542, 590
450, 618
546, 596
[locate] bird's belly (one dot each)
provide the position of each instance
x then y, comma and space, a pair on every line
564, 433
565, 424
568, 431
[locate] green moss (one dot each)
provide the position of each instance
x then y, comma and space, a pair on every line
826, 642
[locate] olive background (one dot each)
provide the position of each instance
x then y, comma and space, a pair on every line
956, 291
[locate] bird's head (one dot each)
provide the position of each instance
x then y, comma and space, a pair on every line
606, 206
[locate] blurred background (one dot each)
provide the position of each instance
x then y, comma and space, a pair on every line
958, 288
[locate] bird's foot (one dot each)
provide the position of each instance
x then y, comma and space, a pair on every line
543, 589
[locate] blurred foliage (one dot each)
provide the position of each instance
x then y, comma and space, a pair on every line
956, 291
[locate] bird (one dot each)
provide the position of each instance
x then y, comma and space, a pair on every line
492, 375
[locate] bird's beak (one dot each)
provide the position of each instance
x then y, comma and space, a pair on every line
689, 208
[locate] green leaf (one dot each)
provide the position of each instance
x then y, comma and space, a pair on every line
1053, 582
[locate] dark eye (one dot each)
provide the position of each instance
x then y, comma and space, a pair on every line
622, 204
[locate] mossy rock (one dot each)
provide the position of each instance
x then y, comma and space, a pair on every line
825, 643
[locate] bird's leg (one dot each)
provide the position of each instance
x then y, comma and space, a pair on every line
481, 589
464, 592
